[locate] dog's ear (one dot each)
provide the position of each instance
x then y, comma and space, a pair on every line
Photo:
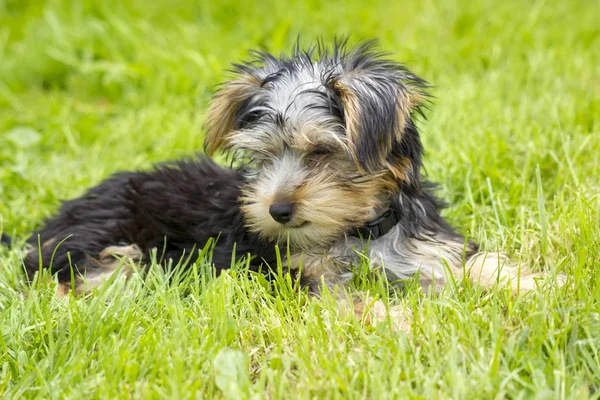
225, 108
379, 99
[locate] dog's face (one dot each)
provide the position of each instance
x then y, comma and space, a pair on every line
327, 139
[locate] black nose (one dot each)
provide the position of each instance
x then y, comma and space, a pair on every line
282, 211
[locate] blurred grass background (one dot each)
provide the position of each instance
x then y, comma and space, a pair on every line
91, 87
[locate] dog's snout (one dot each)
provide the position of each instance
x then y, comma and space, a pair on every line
282, 211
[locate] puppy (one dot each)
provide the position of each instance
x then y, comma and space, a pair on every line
329, 164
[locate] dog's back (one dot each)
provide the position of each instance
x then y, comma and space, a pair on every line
175, 208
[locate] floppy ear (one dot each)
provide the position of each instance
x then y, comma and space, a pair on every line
379, 99
224, 110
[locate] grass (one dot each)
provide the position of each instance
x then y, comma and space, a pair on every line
91, 87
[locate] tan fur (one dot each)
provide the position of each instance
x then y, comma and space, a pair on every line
372, 312
323, 203
317, 268
414, 98
408, 100
399, 169
489, 269
313, 136
112, 259
221, 114
403, 110
351, 113
48, 243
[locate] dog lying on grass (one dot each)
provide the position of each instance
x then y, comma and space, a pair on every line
328, 162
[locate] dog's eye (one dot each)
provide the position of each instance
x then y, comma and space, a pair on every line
320, 152
250, 118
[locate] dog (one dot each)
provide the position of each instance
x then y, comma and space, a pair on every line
328, 163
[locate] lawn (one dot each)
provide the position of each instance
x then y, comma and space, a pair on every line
88, 88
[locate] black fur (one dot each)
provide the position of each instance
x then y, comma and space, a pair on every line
175, 208
419, 209
6, 240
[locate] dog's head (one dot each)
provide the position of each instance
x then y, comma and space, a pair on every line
329, 134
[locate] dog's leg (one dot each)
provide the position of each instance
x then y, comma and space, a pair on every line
487, 269
319, 271
372, 311
111, 260
460, 260
437, 257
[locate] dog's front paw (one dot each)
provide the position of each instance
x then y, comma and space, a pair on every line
372, 312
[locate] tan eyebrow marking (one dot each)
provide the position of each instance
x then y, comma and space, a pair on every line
315, 135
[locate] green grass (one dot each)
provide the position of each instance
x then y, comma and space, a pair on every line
91, 87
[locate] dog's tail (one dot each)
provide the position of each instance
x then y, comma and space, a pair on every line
6, 240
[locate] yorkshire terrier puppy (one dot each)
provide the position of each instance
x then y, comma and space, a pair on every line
329, 163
